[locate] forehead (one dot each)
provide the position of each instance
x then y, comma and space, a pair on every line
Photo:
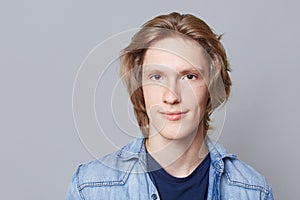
177, 52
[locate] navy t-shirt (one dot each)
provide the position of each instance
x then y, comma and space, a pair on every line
192, 187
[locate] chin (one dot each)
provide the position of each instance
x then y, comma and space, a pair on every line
174, 134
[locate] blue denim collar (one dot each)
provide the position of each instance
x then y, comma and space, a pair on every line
217, 154
136, 150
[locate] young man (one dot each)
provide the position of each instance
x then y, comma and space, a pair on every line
176, 72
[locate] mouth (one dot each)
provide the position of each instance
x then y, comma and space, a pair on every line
173, 115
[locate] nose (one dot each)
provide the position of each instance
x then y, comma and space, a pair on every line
171, 95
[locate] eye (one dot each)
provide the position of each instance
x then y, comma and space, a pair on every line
190, 77
155, 77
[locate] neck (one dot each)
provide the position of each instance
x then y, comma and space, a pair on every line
179, 157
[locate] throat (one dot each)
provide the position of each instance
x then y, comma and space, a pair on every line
178, 158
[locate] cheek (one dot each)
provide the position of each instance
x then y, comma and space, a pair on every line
150, 95
197, 97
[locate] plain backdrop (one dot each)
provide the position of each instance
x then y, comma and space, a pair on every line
43, 44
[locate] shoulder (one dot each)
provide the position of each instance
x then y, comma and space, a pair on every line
241, 180
111, 169
99, 172
98, 177
237, 176
239, 173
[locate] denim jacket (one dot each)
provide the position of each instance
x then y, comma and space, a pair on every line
123, 175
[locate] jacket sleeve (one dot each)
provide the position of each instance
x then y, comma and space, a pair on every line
73, 191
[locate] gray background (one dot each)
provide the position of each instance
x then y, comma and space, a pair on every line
43, 43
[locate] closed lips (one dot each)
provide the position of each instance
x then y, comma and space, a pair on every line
173, 116
173, 113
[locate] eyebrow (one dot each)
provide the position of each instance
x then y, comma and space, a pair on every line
154, 68
192, 70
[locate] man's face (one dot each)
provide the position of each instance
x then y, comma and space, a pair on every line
174, 87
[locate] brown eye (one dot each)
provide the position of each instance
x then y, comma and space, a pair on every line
190, 76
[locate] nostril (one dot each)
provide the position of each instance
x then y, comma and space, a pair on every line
171, 98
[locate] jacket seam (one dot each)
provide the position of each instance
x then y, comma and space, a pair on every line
108, 183
77, 183
245, 185
268, 193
